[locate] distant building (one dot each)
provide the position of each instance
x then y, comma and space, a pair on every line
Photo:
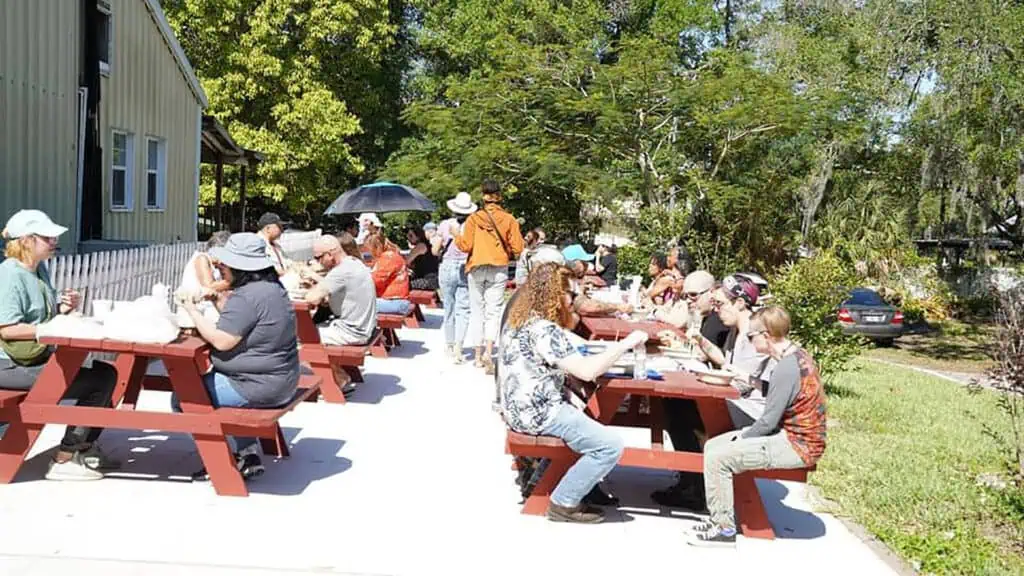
101, 121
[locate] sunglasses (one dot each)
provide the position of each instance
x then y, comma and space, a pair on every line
695, 295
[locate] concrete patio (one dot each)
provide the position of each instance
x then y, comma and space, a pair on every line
408, 478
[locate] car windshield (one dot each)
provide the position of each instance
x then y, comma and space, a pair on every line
865, 298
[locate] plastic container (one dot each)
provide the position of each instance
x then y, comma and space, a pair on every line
640, 362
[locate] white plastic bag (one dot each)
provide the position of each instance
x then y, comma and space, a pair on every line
147, 320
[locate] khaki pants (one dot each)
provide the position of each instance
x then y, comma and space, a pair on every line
729, 454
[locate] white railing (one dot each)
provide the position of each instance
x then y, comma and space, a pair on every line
120, 274
129, 274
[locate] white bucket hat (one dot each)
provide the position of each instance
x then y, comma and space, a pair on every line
27, 222
370, 218
462, 204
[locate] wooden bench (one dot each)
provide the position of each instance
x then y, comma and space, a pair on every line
426, 298
530, 446
389, 325
263, 422
12, 443
322, 358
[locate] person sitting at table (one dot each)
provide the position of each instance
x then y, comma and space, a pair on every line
734, 302
27, 299
536, 353
348, 289
582, 303
255, 349
663, 281
271, 228
789, 434
390, 276
606, 263
682, 419
201, 274
422, 263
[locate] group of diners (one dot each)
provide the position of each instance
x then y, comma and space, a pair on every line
728, 330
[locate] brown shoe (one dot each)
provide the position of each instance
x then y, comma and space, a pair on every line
580, 514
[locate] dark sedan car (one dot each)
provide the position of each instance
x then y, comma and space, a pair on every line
865, 313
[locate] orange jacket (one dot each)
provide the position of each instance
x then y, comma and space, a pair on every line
391, 277
479, 239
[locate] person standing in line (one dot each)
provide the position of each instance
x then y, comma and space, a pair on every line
452, 276
531, 241
492, 238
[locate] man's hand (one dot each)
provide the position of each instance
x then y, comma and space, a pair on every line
625, 308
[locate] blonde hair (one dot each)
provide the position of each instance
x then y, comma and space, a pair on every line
544, 294
775, 320
17, 248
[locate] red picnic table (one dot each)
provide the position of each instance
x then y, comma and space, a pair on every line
321, 357
186, 359
611, 328
603, 405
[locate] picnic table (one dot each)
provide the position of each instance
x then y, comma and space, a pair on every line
603, 402
186, 359
612, 328
321, 357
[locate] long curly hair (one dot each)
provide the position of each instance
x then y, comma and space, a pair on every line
544, 297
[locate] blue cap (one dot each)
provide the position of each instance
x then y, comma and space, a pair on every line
576, 252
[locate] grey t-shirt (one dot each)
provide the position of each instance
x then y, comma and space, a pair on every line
353, 298
264, 366
783, 387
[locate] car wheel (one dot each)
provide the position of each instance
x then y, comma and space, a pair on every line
885, 342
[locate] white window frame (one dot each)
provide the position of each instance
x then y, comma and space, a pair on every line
161, 174
104, 8
128, 168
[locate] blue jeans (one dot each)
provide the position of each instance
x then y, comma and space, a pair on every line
400, 307
222, 393
455, 298
599, 446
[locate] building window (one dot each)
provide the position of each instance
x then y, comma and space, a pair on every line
121, 150
105, 37
156, 173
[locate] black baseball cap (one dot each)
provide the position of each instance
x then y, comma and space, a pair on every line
270, 218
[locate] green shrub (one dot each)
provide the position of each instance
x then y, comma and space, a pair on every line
811, 290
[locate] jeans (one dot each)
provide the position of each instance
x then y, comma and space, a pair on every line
599, 446
400, 307
486, 297
91, 387
222, 393
455, 299
729, 454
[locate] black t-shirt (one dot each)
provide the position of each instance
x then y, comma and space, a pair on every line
714, 330
424, 265
610, 262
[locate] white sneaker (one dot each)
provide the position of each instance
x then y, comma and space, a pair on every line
72, 470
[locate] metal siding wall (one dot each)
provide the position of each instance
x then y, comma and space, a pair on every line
39, 53
147, 95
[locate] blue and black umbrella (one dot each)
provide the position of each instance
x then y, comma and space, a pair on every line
380, 197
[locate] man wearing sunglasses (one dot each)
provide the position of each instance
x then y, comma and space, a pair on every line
682, 420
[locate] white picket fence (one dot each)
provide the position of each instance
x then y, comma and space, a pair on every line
129, 274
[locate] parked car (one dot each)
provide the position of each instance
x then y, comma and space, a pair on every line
866, 313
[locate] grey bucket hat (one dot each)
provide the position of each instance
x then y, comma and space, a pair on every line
244, 251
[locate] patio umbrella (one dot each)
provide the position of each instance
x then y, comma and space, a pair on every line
380, 197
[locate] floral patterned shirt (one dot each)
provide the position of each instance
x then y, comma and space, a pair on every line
532, 385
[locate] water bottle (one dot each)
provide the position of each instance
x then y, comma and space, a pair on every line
640, 361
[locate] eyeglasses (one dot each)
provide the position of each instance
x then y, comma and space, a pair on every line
695, 295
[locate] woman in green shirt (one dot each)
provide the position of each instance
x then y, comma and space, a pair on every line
27, 299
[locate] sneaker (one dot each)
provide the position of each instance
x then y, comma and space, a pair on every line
701, 527
580, 514
98, 460
73, 469
714, 537
249, 466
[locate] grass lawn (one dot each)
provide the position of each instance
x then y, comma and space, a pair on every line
904, 455
948, 346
